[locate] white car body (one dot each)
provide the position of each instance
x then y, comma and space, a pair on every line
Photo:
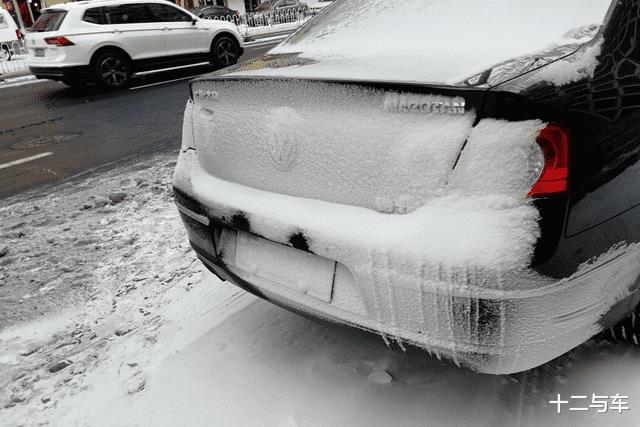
8, 36
150, 46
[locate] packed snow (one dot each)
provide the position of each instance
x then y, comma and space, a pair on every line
129, 329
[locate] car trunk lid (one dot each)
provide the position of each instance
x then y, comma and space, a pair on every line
389, 149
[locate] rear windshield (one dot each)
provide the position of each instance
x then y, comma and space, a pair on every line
50, 20
408, 24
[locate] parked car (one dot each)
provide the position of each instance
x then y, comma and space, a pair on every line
279, 11
219, 12
10, 35
317, 6
475, 193
108, 42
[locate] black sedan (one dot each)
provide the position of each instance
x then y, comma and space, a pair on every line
464, 178
219, 12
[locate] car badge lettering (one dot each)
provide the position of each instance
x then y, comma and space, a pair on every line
207, 94
425, 104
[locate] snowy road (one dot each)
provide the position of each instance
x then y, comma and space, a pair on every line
106, 318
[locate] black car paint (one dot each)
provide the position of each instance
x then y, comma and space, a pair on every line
217, 12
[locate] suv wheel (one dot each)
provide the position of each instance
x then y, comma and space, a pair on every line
5, 54
112, 70
225, 52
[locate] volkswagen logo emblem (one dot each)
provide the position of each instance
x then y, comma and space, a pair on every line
283, 138
283, 152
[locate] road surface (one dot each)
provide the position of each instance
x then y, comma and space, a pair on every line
49, 132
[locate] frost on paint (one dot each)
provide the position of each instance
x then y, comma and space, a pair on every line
575, 67
363, 151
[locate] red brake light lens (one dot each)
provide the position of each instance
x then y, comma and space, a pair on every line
19, 34
59, 41
554, 179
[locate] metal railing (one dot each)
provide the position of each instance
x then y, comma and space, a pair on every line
13, 58
262, 23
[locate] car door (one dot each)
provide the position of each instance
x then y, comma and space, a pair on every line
134, 28
182, 35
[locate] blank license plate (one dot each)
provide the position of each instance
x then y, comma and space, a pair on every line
294, 269
39, 52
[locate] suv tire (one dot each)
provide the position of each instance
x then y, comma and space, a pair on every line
112, 70
5, 54
224, 52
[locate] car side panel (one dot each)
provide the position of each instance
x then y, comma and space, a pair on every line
140, 41
186, 38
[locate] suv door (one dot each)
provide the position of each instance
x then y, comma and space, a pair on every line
135, 29
182, 35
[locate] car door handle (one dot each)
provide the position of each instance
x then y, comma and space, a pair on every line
166, 29
116, 31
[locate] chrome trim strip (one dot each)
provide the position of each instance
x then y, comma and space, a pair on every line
196, 217
144, 73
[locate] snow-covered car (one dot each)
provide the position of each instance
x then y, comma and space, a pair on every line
474, 191
109, 41
9, 36
276, 12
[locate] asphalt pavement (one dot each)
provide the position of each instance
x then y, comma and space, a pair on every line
49, 132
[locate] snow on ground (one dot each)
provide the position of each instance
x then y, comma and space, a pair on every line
106, 318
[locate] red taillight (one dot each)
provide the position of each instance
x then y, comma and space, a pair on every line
19, 34
58, 41
554, 141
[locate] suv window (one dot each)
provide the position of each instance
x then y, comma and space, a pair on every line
3, 22
166, 13
96, 15
50, 20
135, 13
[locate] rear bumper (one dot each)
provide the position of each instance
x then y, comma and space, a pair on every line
60, 73
490, 321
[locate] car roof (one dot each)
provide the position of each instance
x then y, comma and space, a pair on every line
97, 3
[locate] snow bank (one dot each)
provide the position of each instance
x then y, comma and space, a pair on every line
88, 262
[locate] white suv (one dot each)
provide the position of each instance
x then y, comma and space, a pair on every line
10, 36
109, 41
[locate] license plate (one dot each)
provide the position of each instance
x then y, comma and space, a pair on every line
299, 271
39, 52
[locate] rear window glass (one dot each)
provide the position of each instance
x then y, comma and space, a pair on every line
50, 20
